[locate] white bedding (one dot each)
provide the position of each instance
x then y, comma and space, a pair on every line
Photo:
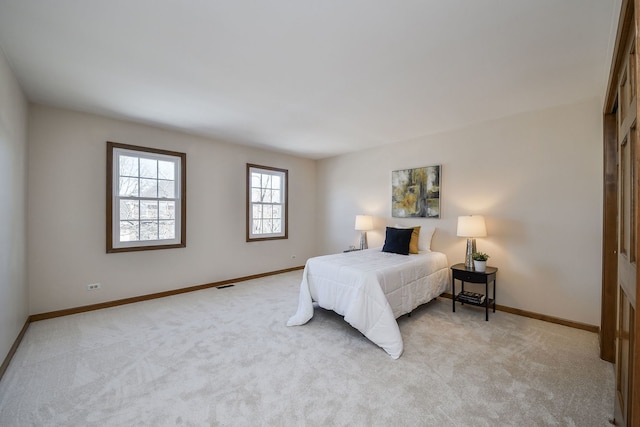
371, 289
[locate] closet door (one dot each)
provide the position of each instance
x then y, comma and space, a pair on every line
620, 320
627, 136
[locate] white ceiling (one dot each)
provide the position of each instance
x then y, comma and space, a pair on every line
311, 78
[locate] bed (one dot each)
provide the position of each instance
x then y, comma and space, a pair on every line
371, 289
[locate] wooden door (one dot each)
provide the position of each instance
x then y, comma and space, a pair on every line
627, 214
621, 242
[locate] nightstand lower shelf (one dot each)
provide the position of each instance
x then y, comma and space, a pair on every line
490, 302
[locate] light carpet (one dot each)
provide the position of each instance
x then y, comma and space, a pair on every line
225, 357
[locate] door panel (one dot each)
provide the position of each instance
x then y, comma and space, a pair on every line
627, 234
626, 331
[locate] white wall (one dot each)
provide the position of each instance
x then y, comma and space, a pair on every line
537, 178
66, 222
13, 208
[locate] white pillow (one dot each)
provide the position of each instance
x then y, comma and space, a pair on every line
426, 234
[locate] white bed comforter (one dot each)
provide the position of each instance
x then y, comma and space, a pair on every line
371, 289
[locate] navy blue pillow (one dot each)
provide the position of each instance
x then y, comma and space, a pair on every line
397, 240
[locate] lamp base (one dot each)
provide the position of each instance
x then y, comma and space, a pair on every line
471, 248
363, 240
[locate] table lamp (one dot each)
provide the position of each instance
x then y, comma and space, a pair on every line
471, 226
364, 223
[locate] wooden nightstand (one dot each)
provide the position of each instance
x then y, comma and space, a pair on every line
464, 274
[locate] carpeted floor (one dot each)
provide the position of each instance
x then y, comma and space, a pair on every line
225, 357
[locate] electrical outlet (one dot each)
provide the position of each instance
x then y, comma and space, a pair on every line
93, 286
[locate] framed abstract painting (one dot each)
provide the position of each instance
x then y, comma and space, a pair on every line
416, 192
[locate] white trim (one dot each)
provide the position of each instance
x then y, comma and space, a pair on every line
116, 198
283, 200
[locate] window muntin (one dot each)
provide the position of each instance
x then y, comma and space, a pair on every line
146, 198
266, 203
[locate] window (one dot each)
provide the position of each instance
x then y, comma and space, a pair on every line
266, 203
146, 198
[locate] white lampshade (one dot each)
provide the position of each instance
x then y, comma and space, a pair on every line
471, 226
364, 222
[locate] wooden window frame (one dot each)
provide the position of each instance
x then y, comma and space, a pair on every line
181, 228
249, 207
